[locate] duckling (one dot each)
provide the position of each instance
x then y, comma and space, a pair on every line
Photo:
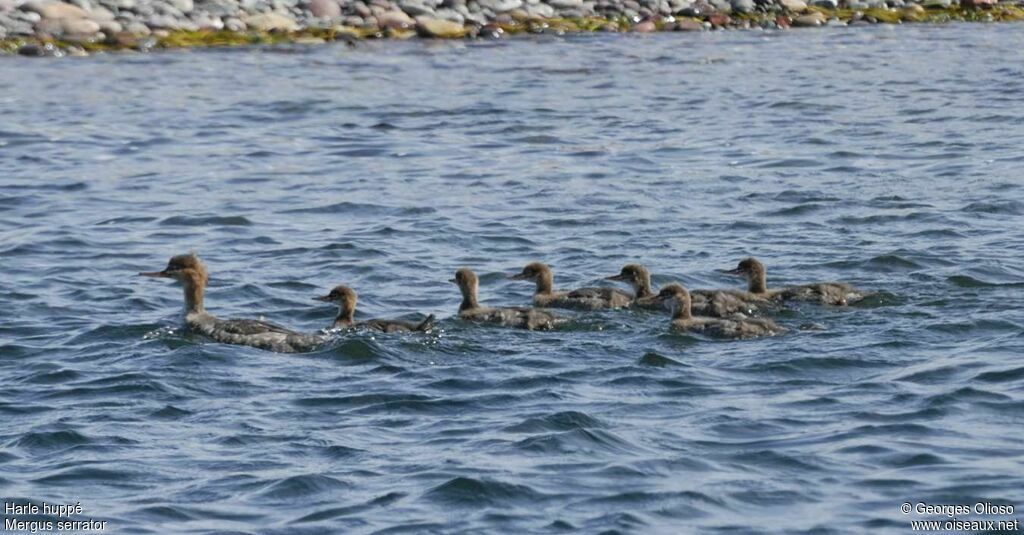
188, 270
675, 296
523, 318
346, 299
583, 298
705, 302
825, 293
639, 279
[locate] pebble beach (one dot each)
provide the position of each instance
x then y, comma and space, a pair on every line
81, 27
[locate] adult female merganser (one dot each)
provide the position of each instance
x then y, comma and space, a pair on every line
826, 293
191, 273
705, 302
675, 296
470, 309
585, 298
346, 299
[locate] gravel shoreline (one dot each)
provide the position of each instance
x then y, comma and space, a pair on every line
80, 27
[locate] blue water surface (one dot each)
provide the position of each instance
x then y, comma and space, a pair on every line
889, 157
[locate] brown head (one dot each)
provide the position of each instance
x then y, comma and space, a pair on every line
182, 268
468, 284
677, 298
191, 273
539, 273
636, 276
345, 298
754, 272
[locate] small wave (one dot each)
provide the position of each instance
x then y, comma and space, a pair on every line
889, 484
56, 377
966, 281
776, 460
982, 325
88, 474
771, 498
303, 486
657, 361
338, 451
47, 441
355, 208
1001, 376
466, 491
358, 400
966, 395
910, 460
891, 262
211, 221
335, 512
995, 207
800, 209
170, 412
575, 441
559, 421
804, 365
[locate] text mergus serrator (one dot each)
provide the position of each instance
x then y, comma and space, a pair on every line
826, 293
345, 298
191, 273
523, 318
582, 298
675, 296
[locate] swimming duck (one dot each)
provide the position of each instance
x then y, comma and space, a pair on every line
470, 309
585, 298
191, 273
639, 279
346, 299
714, 303
826, 293
675, 296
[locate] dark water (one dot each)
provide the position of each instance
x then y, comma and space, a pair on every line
888, 157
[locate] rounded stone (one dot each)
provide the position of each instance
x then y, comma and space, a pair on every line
794, 6
396, 20
325, 9
810, 20
688, 25
438, 28
743, 6
646, 26
415, 8
565, 4
47, 49
271, 22
543, 11
233, 24
111, 27
56, 10
205, 21
100, 14
450, 14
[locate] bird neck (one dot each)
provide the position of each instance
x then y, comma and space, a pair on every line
468, 299
545, 282
346, 316
758, 283
194, 288
642, 286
